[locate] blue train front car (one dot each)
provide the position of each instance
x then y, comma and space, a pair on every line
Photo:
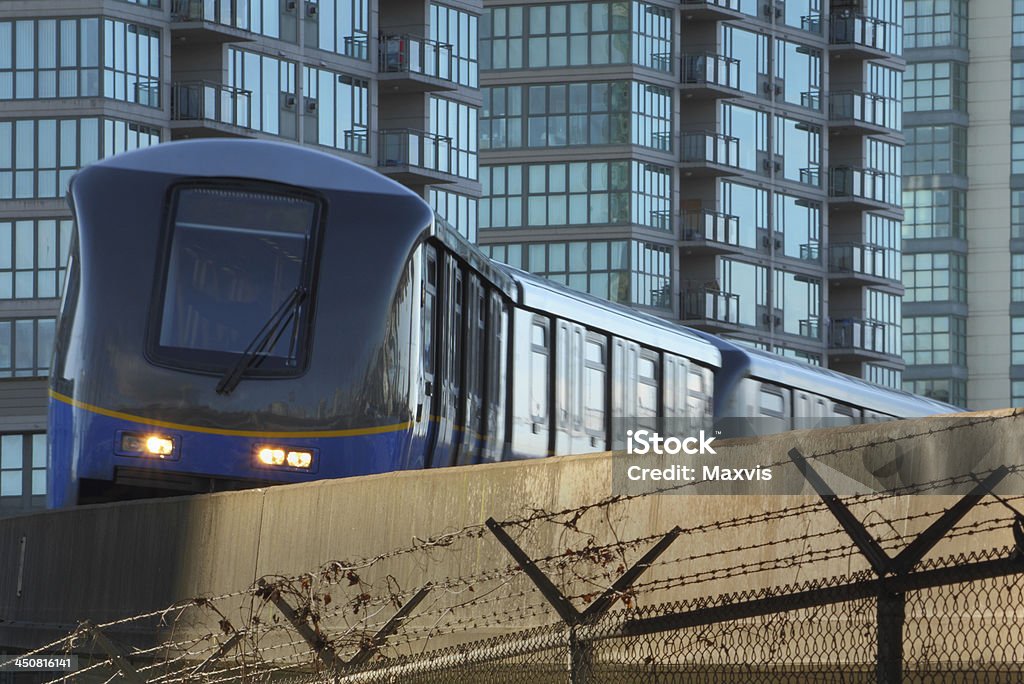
236, 313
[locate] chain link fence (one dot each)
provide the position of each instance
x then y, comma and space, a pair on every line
867, 594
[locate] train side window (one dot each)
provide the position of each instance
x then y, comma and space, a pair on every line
772, 403
847, 415
698, 392
540, 351
429, 296
647, 384
595, 372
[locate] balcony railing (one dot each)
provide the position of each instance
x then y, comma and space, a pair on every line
860, 31
707, 304
355, 140
863, 335
710, 226
712, 148
356, 46
711, 69
408, 147
147, 92
870, 260
810, 251
866, 108
412, 54
733, 5
661, 61
218, 11
857, 183
200, 100
810, 327
811, 23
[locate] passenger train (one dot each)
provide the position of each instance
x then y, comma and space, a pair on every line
243, 313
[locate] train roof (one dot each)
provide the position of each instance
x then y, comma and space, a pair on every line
541, 294
833, 384
263, 160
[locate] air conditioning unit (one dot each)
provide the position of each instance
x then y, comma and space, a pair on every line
310, 106
311, 9
289, 101
290, 5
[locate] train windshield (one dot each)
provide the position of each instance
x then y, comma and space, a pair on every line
234, 260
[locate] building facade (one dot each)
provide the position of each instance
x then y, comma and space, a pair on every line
963, 261
732, 164
391, 85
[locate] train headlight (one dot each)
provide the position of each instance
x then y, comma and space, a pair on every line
135, 444
279, 456
270, 456
300, 459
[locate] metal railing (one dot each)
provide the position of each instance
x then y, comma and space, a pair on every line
865, 259
707, 68
411, 54
147, 92
201, 100
811, 99
705, 225
810, 327
733, 5
713, 148
854, 182
858, 106
859, 30
356, 140
709, 304
811, 23
409, 147
810, 251
356, 46
661, 61
864, 335
217, 11
811, 175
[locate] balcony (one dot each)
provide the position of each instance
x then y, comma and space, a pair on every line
863, 338
210, 21
711, 10
707, 75
203, 109
709, 232
855, 263
862, 113
857, 188
810, 328
412, 64
709, 154
855, 35
415, 157
710, 308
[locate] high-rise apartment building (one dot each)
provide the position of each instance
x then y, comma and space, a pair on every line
963, 260
732, 164
391, 85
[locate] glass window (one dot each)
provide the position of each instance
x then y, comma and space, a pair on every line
1018, 23
935, 149
25, 347
1017, 213
935, 86
935, 277
798, 145
454, 33
1017, 340
1017, 87
33, 257
935, 23
337, 109
934, 213
1017, 149
883, 375
453, 127
238, 269
798, 304
458, 210
949, 390
271, 85
798, 72
1017, 393
931, 340
1017, 277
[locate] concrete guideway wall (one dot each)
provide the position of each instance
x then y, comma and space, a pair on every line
111, 561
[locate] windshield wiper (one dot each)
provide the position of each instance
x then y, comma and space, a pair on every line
264, 341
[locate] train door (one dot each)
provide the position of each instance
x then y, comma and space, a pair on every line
595, 391
496, 340
569, 434
531, 388
425, 428
773, 409
449, 375
809, 410
623, 390
473, 371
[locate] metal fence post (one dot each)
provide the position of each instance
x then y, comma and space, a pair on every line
891, 612
580, 658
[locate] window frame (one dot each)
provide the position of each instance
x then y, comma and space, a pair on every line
209, 362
